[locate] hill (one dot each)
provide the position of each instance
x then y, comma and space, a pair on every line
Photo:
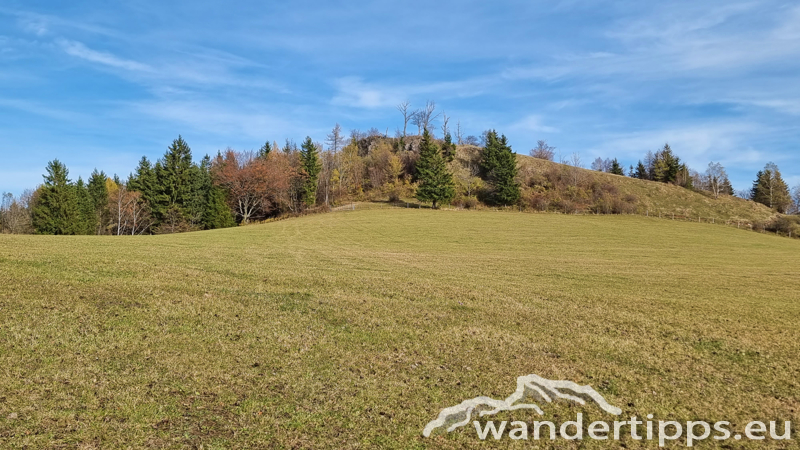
653, 198
354, 329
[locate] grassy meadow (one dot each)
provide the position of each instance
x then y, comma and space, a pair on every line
354, 329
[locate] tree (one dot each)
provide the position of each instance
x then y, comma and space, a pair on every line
666, 166
499, 169
98, 192
144, 180
423, 118
407, 115
435, 180
601, 165
55, 210
87, 220
263, 152
309, 161
173, 183
770, 189
616, 169
543, 151
15, 213
796, 199
448, 148
641, 172
218, 214
715, 178
335, 139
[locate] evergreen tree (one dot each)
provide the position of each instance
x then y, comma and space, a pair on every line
87, 220
435, 181
499, 169
98, 191
727, 188
641, 172
263, 152
311, 165
770, 189
144, 180
448, 148
218, 214
56, 208
173, 187
616, 169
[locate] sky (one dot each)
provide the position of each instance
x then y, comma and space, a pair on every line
100, 84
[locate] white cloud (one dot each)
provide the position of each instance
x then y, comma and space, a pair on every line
354, 92
79, 50
532, 123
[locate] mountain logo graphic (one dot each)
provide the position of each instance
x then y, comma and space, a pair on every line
532, 387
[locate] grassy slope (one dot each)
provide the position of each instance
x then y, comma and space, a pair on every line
354, 329
669, 199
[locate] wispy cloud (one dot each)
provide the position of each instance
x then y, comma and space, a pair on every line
533, 123
79, 50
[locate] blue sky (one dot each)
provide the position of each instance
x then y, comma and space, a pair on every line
99, 84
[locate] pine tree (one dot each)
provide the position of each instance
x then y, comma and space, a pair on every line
616, 169
770, 189
56, 208
435, 180
311, 165
499, 169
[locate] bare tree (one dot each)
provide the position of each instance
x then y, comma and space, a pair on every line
335, 140
715, 177
423, 118
15, 213
576, 169
796, 199
459, 135
601, 165
407, 114
543, 151
445, 119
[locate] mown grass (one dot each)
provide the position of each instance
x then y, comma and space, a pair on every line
353, 329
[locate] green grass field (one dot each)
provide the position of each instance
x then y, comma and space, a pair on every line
353, 329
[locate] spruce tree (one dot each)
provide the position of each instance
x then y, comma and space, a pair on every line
436, 183
448, 148
616, 169
218, 214
173, 186
263, 152
499, 169
311, 165
641, 172
770, 189
144, 180
56, 208
87, 220
98, 191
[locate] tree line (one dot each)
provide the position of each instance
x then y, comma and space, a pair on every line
176, 194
